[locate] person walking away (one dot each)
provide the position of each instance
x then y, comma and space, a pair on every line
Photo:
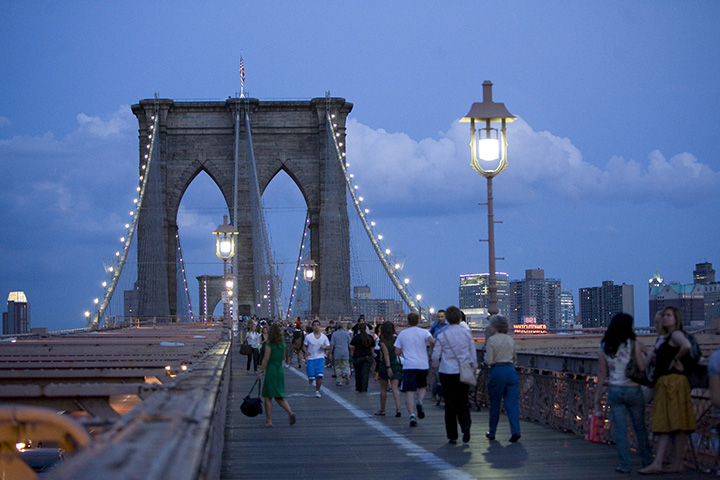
672, 413
340, 343
297, 342
436, 328
288, 337
361, 345
454, 346
412, 344
503, 379
389, 368
625, 397
253, 339
315, 345
272, 369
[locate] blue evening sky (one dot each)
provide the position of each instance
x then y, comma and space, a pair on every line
614, 164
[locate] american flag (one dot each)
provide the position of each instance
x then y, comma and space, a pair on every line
242, 72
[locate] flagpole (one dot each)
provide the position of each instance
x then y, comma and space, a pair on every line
242, 76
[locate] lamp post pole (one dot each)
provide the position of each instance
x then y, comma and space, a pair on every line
492, 280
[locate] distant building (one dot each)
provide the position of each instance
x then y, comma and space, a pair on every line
711, 298
703, 274
567, 309
474, 294
131, 300
17, 318
699, 302
599, 304
655, 281
535, 300
375, 310
689, 299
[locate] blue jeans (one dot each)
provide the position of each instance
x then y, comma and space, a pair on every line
503, 387
624, 401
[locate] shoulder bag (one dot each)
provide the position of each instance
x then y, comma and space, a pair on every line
633, 371
467, 371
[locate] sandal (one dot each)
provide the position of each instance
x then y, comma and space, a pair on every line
380, 413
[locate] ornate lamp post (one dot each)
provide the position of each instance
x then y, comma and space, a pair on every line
225, 250
488, 150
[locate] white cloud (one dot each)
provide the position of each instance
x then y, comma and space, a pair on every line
118, 123
4, 121
436, 172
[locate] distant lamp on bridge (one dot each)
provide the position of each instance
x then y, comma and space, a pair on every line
309, 269
488, 153
225, 249
225, 244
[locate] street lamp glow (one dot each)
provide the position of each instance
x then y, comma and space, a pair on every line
225, 243
488, 143
309, 272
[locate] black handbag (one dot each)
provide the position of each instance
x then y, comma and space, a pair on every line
633, 371
252, 406
245, 349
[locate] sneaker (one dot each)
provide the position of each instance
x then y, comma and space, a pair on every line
421, 413
317, 394
413, 422
339, 384
515, 437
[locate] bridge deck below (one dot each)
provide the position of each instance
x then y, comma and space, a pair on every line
337, 436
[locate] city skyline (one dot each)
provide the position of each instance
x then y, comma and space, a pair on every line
614, 161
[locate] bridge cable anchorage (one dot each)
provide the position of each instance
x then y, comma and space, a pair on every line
340, 155
151, 146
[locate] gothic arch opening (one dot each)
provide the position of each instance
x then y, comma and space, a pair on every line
201, 209
285, 210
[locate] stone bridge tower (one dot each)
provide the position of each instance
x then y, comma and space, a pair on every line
195, 137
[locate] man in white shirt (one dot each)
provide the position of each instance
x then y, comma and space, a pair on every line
314, 345
412, 344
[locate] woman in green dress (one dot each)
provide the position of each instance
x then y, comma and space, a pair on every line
272, 367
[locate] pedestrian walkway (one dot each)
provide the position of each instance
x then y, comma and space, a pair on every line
337, 436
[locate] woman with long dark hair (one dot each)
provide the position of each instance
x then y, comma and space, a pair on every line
389, 368
272, 367
625, 397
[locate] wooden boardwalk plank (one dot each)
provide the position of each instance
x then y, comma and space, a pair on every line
330, 441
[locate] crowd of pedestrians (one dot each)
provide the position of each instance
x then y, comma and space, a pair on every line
415, 358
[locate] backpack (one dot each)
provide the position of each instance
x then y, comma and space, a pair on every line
695, 373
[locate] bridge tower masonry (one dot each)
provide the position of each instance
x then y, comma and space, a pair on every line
289, 136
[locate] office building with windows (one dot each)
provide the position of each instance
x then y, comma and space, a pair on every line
17, 318
473, 293
536, 300
599, 304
